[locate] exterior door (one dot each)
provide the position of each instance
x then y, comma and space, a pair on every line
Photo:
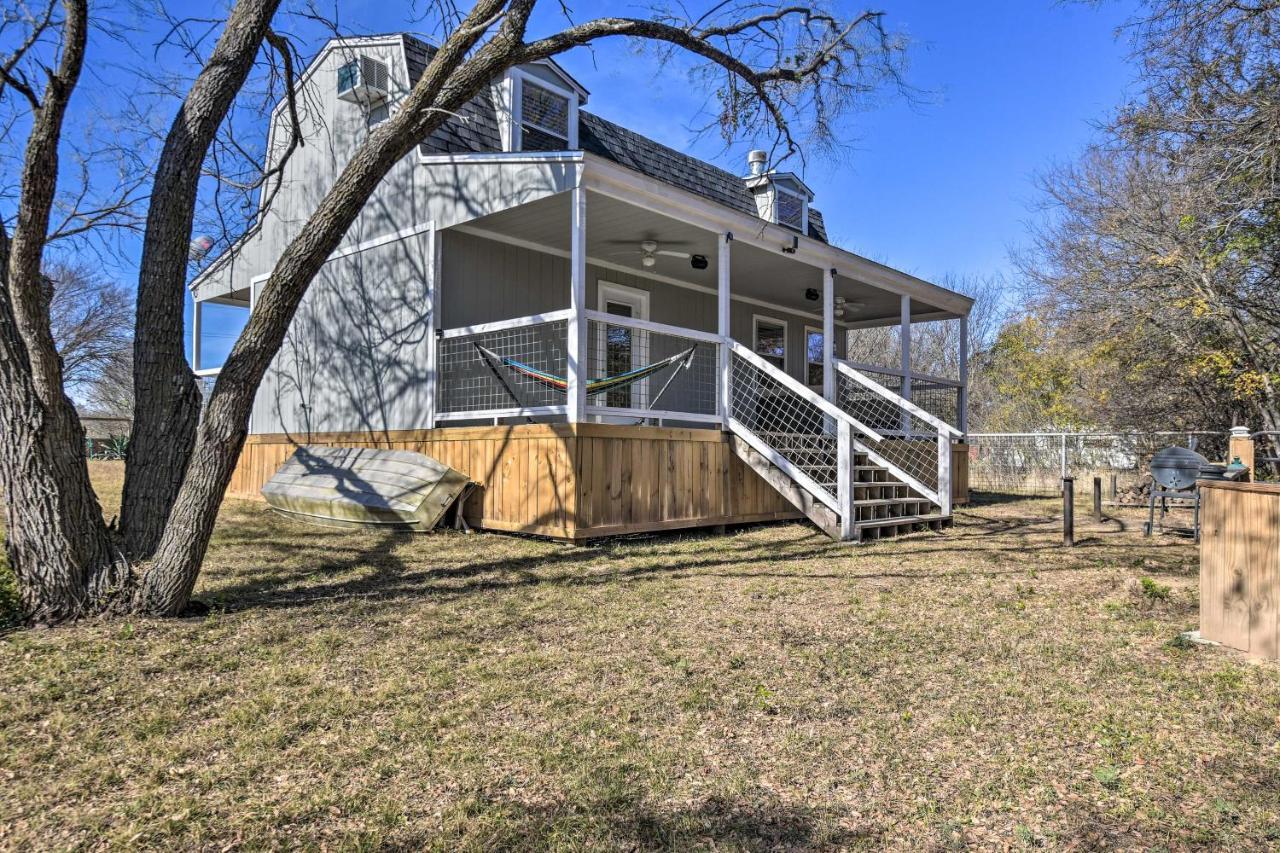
623, 347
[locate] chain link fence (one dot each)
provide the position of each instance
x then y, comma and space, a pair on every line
1033, 464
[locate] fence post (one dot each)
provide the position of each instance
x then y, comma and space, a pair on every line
1097, 499
1241, 444
1068, 511
1064, 456
1114, 492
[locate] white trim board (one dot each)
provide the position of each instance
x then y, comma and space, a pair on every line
486, 234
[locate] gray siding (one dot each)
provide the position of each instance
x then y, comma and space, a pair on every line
411, 194
355, 357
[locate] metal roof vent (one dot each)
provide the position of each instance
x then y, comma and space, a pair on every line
363, 80
755, 162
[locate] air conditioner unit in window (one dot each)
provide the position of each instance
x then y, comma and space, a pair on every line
363, 80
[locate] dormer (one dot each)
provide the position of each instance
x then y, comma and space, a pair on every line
781, 197
537, 106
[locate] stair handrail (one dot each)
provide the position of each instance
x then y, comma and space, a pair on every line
783, 378
898, 400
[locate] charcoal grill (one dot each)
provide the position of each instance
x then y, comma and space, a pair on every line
1174, 472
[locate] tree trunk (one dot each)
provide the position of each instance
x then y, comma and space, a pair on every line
168, 582
57, 544
166, 396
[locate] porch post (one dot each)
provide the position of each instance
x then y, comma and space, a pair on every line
723, 327
576, 346
434, 254
195, 335
828, 335
904, 340
962, 395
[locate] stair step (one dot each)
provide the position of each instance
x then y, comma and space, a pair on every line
902, 520
889, 501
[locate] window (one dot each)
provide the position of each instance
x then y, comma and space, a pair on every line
771, 340
790, 208
813, 364
624, 348
544, 118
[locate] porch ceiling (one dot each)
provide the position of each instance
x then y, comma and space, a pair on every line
616, 228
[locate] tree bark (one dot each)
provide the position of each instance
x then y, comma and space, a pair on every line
166, 396
57, 544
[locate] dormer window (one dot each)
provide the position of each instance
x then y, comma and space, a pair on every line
781, 197
790, 208
537, 106
544, 118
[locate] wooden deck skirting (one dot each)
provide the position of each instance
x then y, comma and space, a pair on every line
568, 481
1240, 566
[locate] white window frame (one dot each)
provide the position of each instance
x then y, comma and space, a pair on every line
513, 94
804, 208
818, 331
638, 299
755, 337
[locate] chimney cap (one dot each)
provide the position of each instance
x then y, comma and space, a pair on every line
756, 160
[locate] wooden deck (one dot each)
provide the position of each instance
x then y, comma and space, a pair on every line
568, 481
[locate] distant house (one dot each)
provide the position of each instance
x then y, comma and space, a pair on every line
104, 434
608, 335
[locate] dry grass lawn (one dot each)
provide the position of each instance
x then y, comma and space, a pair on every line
759, 690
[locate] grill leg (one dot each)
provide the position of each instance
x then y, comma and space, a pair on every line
1151, 512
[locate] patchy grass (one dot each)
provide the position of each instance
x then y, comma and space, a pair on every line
761, 689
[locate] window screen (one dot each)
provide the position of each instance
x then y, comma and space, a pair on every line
544, 118
790, 209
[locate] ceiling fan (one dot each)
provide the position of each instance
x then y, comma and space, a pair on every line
649, 250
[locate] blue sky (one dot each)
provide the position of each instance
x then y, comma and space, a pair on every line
944, 185
936, 187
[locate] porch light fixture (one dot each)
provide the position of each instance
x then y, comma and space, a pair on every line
812, 294
698, 262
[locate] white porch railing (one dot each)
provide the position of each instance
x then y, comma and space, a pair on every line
471, 387
939, 396
519, 368
475, 383
684, 391
918, 451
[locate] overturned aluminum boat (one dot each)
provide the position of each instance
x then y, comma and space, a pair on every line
365, 488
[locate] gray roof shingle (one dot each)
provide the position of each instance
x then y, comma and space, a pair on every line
475, 129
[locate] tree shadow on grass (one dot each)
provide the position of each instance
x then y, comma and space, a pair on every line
396, 567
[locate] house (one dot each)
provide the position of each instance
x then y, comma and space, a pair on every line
607, 335
105, 435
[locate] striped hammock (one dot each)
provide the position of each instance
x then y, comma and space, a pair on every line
594, 386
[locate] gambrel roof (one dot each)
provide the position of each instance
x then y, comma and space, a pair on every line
475, 129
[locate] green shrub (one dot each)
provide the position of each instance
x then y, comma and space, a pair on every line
1152, 590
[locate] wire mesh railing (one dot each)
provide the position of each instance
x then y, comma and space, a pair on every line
911, 443
917, 443
648, 370
518, 364
793, 426
937, 396
1035, 463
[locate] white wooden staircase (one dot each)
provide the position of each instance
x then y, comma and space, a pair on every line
853, 480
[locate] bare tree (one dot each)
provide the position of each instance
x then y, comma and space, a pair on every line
776, 68
92, 322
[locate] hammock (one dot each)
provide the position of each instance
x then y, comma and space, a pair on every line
594, 386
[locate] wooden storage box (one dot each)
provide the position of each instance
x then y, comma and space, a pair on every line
1240, 566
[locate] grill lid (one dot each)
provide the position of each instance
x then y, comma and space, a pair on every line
1180, 467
